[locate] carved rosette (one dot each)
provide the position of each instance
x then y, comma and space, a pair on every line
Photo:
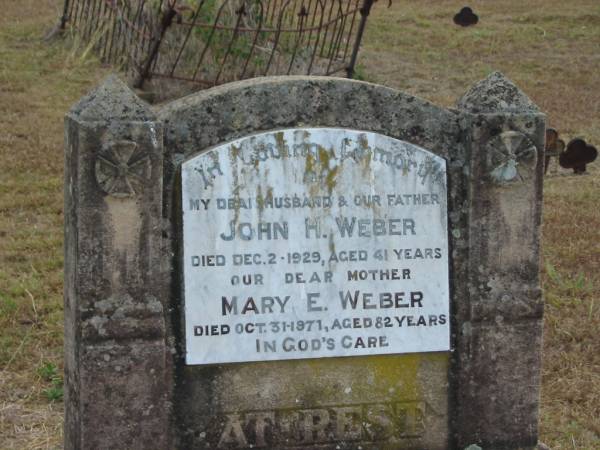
122, 169
512, 157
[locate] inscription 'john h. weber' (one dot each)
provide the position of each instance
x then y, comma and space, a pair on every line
346, 227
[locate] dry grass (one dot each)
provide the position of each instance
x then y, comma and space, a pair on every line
38, 83
571, 377
550, 48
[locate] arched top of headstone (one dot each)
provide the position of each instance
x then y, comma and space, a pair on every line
114, 101
496, 94
263, 84
234, 110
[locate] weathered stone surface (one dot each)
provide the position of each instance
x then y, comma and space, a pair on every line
503, 384
112, 102
116, 389
495, 94
239, 109
122, 395
500, 341
390, 402
506, 214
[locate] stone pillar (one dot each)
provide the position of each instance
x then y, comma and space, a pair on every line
500, 326
116, 382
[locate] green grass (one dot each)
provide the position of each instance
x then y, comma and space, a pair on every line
549, 48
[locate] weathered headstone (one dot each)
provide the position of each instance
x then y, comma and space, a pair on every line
116, 357
303, 263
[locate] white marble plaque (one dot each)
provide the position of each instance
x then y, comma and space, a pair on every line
313, 243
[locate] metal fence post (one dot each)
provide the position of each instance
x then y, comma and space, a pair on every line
65, 16
364, 14
165, 23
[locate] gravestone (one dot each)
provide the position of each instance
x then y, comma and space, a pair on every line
303, 262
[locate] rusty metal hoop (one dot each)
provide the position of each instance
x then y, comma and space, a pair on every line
211, 42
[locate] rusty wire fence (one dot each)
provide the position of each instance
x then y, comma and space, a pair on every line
209, 42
